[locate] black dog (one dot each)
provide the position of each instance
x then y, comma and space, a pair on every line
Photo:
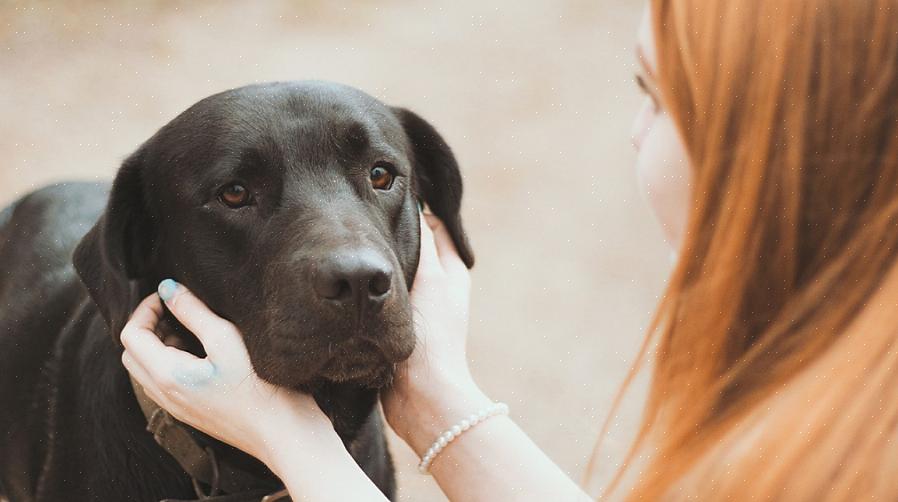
291, 209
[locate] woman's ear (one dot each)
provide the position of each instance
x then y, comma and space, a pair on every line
118, 248
436, 179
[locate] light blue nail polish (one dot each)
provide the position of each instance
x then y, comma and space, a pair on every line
167, 289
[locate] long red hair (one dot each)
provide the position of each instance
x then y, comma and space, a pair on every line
776, 342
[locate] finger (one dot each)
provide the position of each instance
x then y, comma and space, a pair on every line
154, 357
171, 398
137, 372
134, 368
212, 330
146, 381
146, 315
143, 322
445, 247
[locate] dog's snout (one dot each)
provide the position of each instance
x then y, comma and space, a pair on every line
354, 278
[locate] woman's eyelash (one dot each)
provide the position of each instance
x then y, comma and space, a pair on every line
641, 83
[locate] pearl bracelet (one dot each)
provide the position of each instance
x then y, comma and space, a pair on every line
456, 430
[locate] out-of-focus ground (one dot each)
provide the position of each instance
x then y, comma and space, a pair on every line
536, 98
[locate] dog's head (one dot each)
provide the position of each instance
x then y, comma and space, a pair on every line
291, 209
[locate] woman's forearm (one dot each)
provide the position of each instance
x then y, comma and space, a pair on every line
498, 461
316, 466
494, 460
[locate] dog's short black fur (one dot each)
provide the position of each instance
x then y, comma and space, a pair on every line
313, 264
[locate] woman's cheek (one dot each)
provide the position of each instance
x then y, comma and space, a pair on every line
643, 123
665, 177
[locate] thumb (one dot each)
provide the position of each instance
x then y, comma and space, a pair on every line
213, 331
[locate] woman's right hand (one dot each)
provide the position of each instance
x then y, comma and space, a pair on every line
433, 389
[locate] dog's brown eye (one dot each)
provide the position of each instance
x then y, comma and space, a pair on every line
235, 195
381, 178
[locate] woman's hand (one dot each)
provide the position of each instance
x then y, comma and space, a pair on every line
440, 297
220, 394
434, 389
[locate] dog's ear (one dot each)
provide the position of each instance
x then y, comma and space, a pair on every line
436, 179
116, 250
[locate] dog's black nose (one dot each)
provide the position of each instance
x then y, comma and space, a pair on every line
354, 278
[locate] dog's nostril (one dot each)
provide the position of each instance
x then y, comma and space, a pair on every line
380, 284
353, 279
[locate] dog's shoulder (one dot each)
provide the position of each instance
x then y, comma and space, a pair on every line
38, 284
39, 232
52, 208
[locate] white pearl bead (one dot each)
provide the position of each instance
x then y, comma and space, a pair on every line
456, 430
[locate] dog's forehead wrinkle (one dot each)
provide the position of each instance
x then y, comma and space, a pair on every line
302, 123
303, 188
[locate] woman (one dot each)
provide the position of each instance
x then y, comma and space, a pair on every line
768, 147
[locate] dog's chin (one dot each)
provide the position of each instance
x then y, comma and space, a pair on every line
372, 377
359, 361
347, 365
365, 375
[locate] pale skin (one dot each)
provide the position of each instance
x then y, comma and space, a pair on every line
495, 460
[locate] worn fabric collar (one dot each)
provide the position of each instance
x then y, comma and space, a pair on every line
225, 481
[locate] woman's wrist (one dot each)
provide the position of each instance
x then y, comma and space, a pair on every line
310, 459
429, 407
280, 434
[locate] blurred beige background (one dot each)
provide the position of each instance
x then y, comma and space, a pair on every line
536, 98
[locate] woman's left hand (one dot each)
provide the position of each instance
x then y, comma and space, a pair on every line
220, 394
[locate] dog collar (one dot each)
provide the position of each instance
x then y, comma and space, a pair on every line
226, 482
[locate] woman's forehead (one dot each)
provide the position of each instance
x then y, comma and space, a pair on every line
645, 42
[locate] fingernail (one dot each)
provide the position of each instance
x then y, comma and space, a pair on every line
167, 289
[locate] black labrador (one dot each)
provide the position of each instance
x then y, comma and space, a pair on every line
291, 209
